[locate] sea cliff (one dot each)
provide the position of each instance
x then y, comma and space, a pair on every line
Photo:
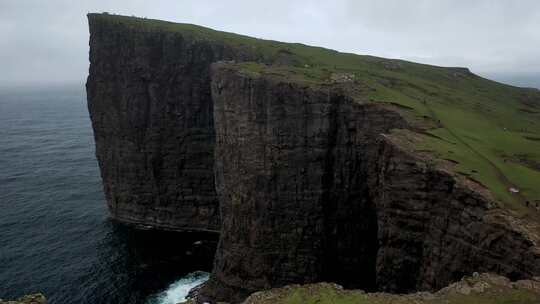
305, 160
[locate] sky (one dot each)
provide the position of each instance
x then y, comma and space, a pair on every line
46, 42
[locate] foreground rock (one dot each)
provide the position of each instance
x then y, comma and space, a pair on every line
28, 299
484, 288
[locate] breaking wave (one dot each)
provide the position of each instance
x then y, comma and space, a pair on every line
177, 291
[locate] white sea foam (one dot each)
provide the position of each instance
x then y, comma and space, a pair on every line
177, 291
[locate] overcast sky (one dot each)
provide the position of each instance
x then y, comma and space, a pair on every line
47, 41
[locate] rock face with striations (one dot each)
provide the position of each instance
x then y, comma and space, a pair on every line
312, 183
291, 172
151, 110
434, 229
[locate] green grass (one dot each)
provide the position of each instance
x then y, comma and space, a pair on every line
327, 294
331, 297
479, 124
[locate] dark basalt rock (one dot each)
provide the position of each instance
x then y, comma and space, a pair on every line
151, 110
291, 172
433, 229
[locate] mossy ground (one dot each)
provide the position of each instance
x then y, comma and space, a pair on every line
489, 130
37, 298
485, 289
330, 296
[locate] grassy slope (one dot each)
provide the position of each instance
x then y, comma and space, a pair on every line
328, 294
490, 130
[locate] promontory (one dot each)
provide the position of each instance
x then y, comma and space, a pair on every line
311, 164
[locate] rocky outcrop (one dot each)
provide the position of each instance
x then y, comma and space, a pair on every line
28, 299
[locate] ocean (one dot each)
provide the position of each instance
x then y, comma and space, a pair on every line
55, 233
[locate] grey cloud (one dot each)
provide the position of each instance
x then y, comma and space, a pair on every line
47, 41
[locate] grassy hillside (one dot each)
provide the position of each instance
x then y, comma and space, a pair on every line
489, 131
483, 289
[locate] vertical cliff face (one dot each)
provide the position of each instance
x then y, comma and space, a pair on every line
291, 173
311, 191
434, 229
151, 110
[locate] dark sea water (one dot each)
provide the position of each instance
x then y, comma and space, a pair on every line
55, 234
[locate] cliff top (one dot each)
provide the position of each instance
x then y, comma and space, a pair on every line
487, 131
290, 54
